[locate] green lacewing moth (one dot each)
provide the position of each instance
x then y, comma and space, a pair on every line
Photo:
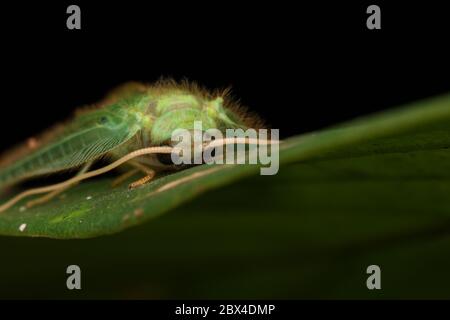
132, 117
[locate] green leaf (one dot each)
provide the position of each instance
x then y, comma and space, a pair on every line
372, 191
404, 145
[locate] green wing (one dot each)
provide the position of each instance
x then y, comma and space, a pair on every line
89, 137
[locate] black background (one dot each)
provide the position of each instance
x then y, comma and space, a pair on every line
301, 66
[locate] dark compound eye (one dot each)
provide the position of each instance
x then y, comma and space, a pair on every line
165, 158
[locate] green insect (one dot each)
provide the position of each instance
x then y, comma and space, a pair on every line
132, 117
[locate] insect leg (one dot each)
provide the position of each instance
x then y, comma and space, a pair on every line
149, 174
56, 192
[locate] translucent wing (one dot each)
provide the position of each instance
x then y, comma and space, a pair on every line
89, 137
